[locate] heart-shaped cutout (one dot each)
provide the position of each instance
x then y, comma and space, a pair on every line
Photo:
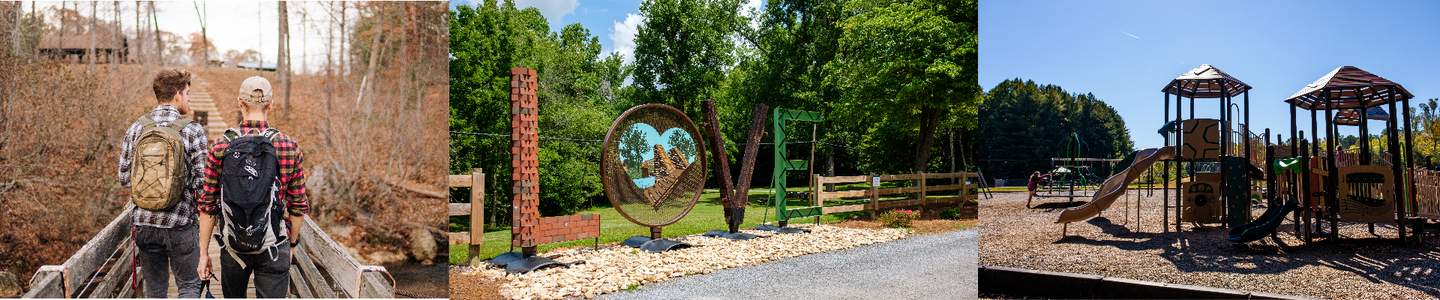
655, 161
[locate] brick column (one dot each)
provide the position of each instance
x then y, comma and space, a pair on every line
524, 152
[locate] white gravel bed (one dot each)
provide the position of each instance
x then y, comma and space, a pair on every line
1361, 265
618, 268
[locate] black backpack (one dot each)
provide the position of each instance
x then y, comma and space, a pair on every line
249, 182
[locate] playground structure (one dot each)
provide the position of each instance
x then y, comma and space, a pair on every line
1071, 173
1359, 188
529, 229
675, 181
1302, 177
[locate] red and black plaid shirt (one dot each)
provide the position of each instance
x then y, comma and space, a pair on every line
292, 171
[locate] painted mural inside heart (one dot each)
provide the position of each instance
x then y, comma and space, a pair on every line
654, 160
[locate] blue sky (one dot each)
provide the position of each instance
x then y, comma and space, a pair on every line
657, 138
1125, 52
613, 21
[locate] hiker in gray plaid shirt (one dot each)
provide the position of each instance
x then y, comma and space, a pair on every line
168, 240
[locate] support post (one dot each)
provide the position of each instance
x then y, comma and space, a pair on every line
477, 212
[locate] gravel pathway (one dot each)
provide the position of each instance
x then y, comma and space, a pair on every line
1360, 266
935, 266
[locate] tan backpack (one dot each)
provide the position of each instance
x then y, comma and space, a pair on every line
157, 166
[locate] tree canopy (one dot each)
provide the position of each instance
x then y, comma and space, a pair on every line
1023, 124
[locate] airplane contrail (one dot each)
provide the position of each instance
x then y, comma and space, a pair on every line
1127, 33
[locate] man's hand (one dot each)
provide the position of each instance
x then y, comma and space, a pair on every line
204, 269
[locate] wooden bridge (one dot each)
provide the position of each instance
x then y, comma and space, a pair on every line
104, 268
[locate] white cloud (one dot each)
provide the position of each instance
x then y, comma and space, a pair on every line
623, 36
751, 10
553, 10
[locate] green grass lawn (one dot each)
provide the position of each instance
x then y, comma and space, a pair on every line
708, 214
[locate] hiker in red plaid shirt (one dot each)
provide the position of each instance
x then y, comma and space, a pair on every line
270, 267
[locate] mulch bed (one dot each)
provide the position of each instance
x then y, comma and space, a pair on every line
1361, 265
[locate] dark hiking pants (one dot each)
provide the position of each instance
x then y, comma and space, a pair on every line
164, 251
272, 277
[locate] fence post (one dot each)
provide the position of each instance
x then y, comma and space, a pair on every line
477, 212
923, 200
874, 195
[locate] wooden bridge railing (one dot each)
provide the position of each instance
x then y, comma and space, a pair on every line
968, 182
95, 271
476, 236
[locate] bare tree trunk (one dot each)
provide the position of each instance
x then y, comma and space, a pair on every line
205, 40
344, 64
159, 46
374, 57
90, 55
282, 64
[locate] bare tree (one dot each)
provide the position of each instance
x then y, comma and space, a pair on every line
374, 57
204, 39
159, 46
90, 55
282, 62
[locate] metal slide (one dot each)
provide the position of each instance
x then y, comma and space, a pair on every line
1116, 185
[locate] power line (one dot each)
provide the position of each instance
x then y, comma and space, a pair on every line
600, 141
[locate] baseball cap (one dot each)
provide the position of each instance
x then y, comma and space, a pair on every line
256, 90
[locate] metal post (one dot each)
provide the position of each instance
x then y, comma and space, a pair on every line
1410, 169
1330, 181
1392, 130
1165, 173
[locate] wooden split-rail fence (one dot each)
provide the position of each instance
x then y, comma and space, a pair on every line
476, 236
321, 269
969, 181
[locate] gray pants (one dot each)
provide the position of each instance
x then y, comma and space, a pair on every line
272, 277
169, 250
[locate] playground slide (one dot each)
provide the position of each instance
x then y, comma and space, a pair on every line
1263, 225
1115, 186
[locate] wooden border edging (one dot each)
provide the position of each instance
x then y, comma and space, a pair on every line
1036, 283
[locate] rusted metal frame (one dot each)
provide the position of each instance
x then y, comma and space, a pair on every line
717, 146
613, 191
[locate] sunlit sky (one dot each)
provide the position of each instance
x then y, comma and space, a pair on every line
612, 21
1125, 52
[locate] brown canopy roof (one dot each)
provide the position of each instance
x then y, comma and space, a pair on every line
105, 38
1204, 82
1350, 87
1352, 116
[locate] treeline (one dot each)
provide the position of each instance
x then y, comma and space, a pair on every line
1023, 125
836, 57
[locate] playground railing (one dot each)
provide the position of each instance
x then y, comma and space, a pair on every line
969, 181
1427, 193
475, 209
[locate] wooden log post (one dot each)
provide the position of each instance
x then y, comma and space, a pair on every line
874, 196
477, 213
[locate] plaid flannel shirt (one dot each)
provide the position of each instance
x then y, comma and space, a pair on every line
193, 136
292, 171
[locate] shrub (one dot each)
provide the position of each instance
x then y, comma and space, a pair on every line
898, 218
951, 214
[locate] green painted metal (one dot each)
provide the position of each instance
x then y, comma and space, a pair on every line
782, 117
1237, 190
